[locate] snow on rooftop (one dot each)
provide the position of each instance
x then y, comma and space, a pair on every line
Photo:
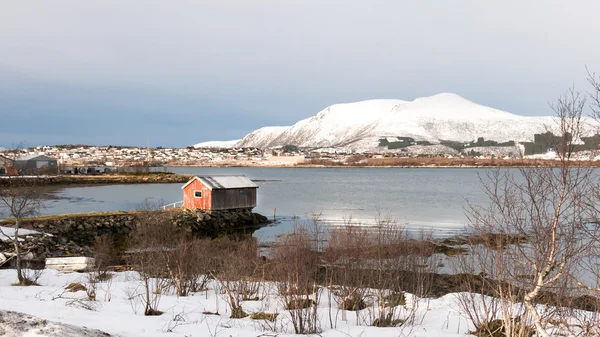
34, 156
8, 233
224, 182
219, 182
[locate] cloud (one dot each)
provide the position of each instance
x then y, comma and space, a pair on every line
237, 65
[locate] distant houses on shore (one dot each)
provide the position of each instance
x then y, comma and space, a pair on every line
45, 158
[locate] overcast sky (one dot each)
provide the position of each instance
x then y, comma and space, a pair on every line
175, 73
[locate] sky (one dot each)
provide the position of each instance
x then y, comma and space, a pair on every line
175, 73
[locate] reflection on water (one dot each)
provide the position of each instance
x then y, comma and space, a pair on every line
416, 198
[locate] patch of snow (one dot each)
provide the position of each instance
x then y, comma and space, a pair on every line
9, 233
20, 324
430, 149
227, 144
498, 151
547, 155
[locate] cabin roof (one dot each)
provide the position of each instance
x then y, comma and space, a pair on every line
223, 182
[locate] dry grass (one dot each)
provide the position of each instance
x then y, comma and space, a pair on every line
104, 179
84, 215
264, 316
25, 283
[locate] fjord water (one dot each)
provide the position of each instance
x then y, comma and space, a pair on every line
427, 198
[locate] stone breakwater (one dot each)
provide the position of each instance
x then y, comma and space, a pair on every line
75, 234
117, 179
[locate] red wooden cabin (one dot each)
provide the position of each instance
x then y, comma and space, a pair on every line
219, 192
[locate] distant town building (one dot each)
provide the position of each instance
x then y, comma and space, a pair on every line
36, 164
219, 193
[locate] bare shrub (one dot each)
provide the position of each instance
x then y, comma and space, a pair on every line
19, 199
237, 271
104, 256
148, 245
187, 264
297, 264
490, 305
347, 272
30, 277
399, 264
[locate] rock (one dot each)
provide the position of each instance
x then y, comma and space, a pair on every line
261, 218
75, 234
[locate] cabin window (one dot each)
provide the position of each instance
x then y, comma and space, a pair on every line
242, 193
197, 194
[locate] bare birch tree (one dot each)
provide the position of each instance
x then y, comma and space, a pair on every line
548, 207
19, 199
587, 274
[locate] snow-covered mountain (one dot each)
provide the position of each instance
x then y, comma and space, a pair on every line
263, 137
217, 144
442, 117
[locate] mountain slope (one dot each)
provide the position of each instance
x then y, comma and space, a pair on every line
442, 117
262, 137
217, 144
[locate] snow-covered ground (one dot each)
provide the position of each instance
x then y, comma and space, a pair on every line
19, 324
115, 314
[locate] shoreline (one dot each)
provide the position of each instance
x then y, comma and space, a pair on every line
391, 163
112, 179
411, 163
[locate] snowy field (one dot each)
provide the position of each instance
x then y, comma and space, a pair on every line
115, 314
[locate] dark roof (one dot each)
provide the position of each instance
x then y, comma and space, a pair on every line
34, 157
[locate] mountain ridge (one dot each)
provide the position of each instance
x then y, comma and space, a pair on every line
217, 144
433, 119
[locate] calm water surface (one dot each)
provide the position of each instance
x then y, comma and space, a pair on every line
416, 198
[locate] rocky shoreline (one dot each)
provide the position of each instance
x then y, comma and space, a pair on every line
105, 179
75, 234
